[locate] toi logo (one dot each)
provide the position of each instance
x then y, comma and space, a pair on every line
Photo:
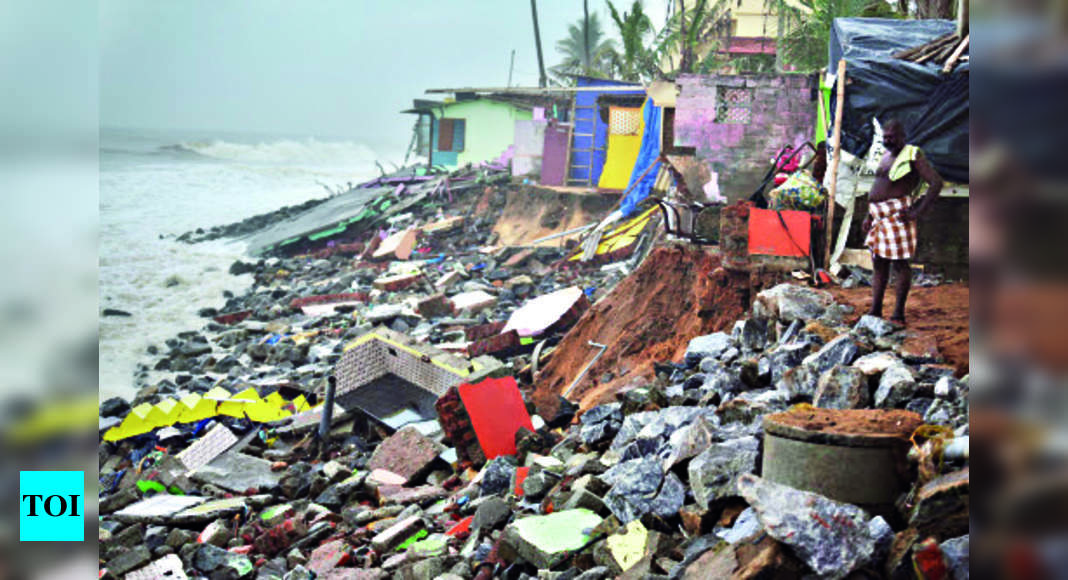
51, 506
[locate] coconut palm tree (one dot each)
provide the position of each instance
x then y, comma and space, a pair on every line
633, 26
688, 42
805, 38
598, 61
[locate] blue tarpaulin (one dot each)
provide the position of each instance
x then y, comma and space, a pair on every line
647, 154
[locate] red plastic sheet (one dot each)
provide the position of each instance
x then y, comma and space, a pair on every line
463, 527
497, 411
768, 237
520, 476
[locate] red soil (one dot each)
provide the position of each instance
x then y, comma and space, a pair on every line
871, 422
678, 292
940, 312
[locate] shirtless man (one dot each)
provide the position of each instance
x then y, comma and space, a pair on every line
892, 214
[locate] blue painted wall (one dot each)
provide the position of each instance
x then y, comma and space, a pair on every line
588, 122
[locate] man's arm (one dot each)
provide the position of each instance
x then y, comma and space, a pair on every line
934, 186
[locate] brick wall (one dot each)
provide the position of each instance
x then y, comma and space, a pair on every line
741, 146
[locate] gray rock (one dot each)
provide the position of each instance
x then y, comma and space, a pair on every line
299, 573
498, 476
715, 472
839, 351
602, 413
754, 334
955, 552
745, 526
130, 559
883, 535
114, 407
896, 387
721, 381
536, 485
842, 387
876, 362
639, 487
667, 421
799, 383
875, 326
209, 557
946, 388
789, 302
832, 538
786, 357
595, 573
711, 345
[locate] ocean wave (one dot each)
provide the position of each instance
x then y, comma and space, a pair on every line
303, 152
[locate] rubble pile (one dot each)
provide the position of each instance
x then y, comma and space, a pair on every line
671, 479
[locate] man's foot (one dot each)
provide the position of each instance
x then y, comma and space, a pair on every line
875, 314
898, 320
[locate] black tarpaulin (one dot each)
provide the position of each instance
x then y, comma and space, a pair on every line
932, 106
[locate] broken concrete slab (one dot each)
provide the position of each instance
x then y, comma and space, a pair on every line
238, 472
157, 508
395, 494
328, 556
627, 547
397, 246
397, 533
407, 453
544, 312
396, 282
169, 567
473, 301
218, 508
546, 540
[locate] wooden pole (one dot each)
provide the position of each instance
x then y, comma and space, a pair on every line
836, 158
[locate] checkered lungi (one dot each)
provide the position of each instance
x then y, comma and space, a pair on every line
891, 237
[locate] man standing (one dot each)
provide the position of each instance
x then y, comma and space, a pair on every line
892, 215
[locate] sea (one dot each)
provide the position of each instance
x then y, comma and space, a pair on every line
156, 185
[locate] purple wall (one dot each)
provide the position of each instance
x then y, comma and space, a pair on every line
554, 155
781, 112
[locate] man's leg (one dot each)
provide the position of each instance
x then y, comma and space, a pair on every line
904, 281
880, 275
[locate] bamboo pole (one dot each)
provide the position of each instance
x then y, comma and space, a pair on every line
952, 62
835, 160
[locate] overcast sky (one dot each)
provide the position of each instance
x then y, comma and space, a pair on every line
342, 68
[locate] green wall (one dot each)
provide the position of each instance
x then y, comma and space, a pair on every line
490, 129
